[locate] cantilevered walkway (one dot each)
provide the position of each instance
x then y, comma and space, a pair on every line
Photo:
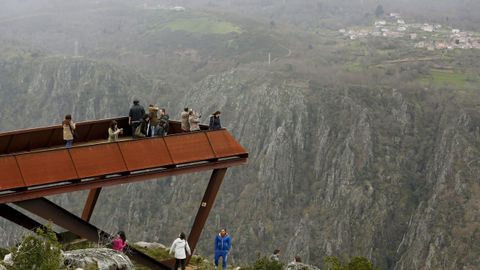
34, 164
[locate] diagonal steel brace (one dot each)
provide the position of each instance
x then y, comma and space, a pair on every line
63, 218
21, 219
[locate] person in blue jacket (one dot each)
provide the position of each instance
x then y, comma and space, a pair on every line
223, 243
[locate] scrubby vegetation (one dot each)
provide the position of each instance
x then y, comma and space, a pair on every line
357, 263
264, 263
37, 251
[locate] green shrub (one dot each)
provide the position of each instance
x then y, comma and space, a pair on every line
40, 251
332, 263
3, 252
357, 263
360, 263
263, 263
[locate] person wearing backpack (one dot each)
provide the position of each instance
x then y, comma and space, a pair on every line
181, 248
143, 130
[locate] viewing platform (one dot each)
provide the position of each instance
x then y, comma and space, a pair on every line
34, 163
32, 160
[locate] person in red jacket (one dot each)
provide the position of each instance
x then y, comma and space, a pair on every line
119, 242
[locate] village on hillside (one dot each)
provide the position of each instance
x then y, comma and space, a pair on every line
427, 36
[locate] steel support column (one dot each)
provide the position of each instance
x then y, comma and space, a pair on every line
205, 206
63, 218
90, 203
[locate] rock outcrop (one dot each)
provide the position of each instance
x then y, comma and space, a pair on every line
300, 266
149, 245
103, 258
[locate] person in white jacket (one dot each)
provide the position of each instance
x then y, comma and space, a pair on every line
181, 248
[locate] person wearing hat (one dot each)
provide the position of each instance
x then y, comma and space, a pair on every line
135, 115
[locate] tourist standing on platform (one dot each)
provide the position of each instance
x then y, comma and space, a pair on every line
152, 112
180, 247
119, 242
163, 125
223, 243
184, 120
135, 116
214, 122
194, 120
113, 131
143, 130
68, 130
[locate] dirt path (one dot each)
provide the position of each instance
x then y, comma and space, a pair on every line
412, 60
285, 56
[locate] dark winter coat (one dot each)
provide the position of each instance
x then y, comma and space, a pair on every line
136, 112
214, 123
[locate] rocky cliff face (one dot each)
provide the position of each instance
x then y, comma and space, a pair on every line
383, 173
39, 90
389, 174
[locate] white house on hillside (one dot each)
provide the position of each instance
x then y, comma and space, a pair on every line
380, 23
427, 28
395, 15
177, 8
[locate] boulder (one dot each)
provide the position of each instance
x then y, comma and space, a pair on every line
103, 258
149, 245
8, 259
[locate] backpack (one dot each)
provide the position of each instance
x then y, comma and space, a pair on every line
138, 131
